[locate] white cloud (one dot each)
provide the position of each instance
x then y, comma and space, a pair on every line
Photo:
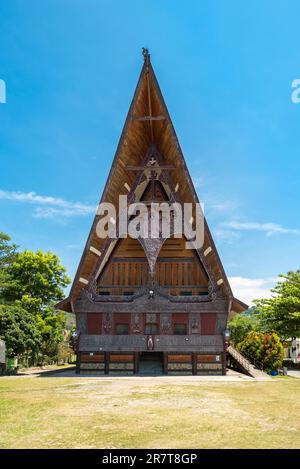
48, 206
226, 236
73, 246
198, 181
268, 228
249, 289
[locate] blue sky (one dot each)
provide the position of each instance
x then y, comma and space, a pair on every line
225, 69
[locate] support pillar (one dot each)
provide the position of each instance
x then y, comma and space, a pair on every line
136, 362
165, 363
78, 362
194, 363
106, 363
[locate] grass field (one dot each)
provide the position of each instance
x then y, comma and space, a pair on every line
58, 412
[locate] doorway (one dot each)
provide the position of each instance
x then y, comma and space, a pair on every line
151, 363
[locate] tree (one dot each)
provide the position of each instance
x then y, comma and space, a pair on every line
241, 325
19, 330
281, 313
263, 347
7, 250
30, 284
39, 279
7, 256
51, 325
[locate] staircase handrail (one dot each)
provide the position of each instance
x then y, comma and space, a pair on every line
253, 360
239, 357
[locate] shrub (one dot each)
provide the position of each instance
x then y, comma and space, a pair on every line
263, 347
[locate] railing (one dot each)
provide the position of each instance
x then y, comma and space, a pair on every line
254, 361
160, 343
239, 358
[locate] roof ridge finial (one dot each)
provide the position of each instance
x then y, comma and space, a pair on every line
145, 52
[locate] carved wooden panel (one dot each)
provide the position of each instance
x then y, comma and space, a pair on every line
81, 323
221, 323
107, 323
166, 323
151, 318
138, 342
137, 323
195, 323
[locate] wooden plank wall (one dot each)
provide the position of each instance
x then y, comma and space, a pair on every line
176, 266
194, 363
208, 322
174, 363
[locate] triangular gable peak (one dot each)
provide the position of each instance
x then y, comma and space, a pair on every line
148, 132
153, 184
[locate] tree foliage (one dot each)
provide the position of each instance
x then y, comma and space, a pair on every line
30, 284
51, 326
18, 328
7, 256
38, 279
241, 325
263, 347
281, 313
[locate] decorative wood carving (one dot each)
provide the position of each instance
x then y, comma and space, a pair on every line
81, 323
165, 323
107, 322
195, 323
161, 301
151, 318
137, 323
150, 343
221, 323
138, 342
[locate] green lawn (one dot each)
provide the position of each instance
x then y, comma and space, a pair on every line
57, 412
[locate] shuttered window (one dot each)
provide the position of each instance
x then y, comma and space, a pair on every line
94, 323
208, 323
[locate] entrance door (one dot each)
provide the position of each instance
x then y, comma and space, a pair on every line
151, 363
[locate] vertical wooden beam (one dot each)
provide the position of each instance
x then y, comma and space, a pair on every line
78, 362
194, 363
136, 362
150, 106
224, 362
165, 363
106, 364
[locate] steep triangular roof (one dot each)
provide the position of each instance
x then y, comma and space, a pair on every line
148, 125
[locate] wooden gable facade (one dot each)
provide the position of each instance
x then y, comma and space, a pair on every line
142, 300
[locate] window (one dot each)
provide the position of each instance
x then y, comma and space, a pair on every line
104, 293
203, 293
122, 329
94, 323
208, 323
151, 328
185, 293
128, 293
180, 329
